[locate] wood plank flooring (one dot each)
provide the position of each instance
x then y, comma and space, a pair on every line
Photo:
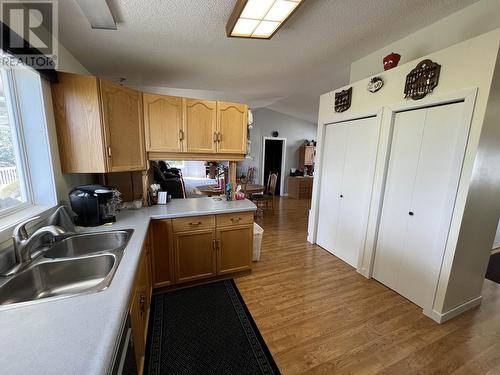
319, 316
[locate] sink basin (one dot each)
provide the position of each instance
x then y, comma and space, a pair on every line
62, 277
89, 243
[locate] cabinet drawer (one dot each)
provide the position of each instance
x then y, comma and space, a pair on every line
236, 218
183, 224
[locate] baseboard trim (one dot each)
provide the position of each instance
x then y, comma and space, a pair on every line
444, 317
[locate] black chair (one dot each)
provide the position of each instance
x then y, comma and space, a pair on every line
170, 179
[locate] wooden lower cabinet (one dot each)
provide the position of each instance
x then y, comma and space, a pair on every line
234, 248
161, 252
194, 255
200, 247
140, 307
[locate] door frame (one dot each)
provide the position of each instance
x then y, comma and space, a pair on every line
283, 162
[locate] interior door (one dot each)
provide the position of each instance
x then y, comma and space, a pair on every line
232, 122
332, 169
163, 123
413, 255
124, 132
405, 148
359, 168
200, 125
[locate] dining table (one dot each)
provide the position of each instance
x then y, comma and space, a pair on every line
213, 189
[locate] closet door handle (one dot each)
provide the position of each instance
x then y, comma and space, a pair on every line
341, 196
410, 213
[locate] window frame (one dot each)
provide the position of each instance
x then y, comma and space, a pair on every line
18, 140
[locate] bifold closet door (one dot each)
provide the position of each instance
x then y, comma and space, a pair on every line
347, 175
424, 170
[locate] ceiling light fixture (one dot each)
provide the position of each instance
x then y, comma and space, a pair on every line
260, 19
98, 14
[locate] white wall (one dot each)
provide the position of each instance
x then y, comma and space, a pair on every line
478, 201
467, 23
265, 121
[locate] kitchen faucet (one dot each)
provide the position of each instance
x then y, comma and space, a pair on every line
24, 244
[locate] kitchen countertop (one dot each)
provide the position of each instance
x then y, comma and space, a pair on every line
78, 335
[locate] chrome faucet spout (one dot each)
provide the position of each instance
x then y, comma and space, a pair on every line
24, 244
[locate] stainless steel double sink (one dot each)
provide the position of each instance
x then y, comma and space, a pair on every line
81, 263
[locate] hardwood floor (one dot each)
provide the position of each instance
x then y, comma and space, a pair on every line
319, 316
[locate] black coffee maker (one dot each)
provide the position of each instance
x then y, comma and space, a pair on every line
92, 204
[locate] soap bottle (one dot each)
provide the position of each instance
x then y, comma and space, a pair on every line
228, 191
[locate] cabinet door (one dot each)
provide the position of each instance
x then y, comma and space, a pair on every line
161, 250
78, 121
124, 132
163, 123
200, 125
195, 255
232, 122
309, 155
234, 248
137, 331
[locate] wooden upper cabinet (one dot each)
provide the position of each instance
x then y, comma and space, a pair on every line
200, 125
99, 125
163, 123
232, 119
78, 122
122, 117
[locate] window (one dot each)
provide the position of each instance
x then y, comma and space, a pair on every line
13, 185
175, 163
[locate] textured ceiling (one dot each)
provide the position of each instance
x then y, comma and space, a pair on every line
182, 44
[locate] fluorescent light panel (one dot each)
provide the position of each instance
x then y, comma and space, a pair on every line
261, 18
98, 14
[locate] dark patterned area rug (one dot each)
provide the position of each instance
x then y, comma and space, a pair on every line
493, 271
206, 329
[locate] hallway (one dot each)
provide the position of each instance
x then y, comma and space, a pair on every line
319, 316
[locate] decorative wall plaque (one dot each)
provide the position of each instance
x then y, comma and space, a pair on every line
343, 100
422, 80
375, 84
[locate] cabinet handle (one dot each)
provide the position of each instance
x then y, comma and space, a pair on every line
197, 223
218, 244
108, 148
215, 137
219, 137
181, 135
233, 219
215, 245
142, 303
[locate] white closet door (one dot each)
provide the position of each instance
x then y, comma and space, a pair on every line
424, 171
334, 147
405, 148
438, 173
349, 156
357, 181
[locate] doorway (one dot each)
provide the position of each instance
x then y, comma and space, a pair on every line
273, 161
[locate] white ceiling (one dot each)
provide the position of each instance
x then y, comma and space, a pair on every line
182, 44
